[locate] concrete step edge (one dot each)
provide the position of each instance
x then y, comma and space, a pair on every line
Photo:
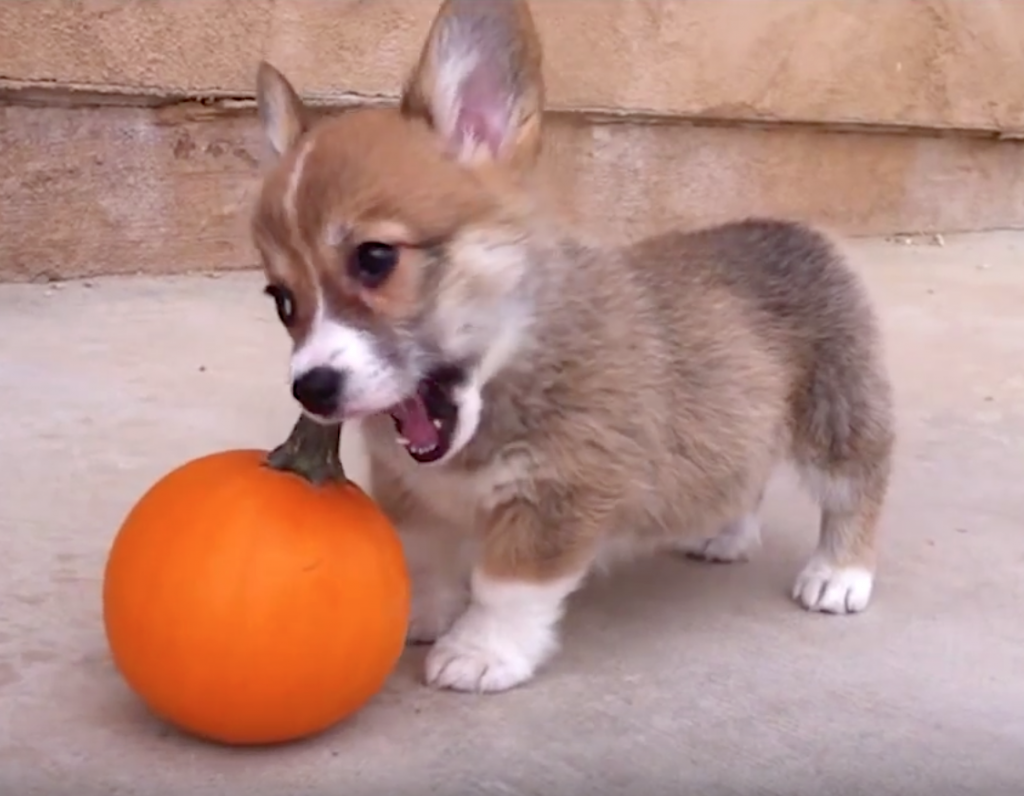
88, 95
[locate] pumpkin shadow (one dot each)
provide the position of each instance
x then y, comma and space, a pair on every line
126, 715
123, 713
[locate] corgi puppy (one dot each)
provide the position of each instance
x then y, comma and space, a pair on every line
534, 406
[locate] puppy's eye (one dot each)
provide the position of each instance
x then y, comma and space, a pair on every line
373, 262
284, 299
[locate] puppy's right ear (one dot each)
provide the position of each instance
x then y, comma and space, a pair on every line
281, 112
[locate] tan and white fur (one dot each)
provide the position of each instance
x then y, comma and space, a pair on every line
606, 401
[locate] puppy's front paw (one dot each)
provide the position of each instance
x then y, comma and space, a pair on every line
436, 603
484, 653
827, 588
735, 542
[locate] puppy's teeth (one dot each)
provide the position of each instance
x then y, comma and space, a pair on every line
402, 441
437, 424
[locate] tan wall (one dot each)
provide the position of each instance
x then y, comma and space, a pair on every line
941, 63
126, 190
780, 107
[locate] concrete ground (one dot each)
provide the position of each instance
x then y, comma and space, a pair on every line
674, 675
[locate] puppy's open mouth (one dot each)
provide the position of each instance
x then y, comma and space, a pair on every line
426, 421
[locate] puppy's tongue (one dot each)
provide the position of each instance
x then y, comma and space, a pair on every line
414, 423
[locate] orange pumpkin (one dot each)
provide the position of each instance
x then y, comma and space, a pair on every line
247, 605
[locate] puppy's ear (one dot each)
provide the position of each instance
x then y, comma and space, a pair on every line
478, 81
280, 110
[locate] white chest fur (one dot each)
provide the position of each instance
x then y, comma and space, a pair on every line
462, 499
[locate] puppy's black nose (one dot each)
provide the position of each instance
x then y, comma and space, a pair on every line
319, 390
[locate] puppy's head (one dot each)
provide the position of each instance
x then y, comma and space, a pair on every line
395, 241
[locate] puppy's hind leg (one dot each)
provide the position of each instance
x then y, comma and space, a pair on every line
839, 578
848, 470
736, 541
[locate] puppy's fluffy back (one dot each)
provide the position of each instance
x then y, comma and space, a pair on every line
672, 374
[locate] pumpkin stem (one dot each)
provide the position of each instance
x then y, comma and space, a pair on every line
311, 451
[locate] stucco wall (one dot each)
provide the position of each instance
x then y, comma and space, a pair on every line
126, 190
941, 63
870, 116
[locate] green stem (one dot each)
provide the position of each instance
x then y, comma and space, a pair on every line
311, 451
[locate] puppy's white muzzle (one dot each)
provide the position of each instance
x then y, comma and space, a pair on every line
341, 365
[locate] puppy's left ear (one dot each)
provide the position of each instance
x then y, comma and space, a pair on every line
281, 111
478, 82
